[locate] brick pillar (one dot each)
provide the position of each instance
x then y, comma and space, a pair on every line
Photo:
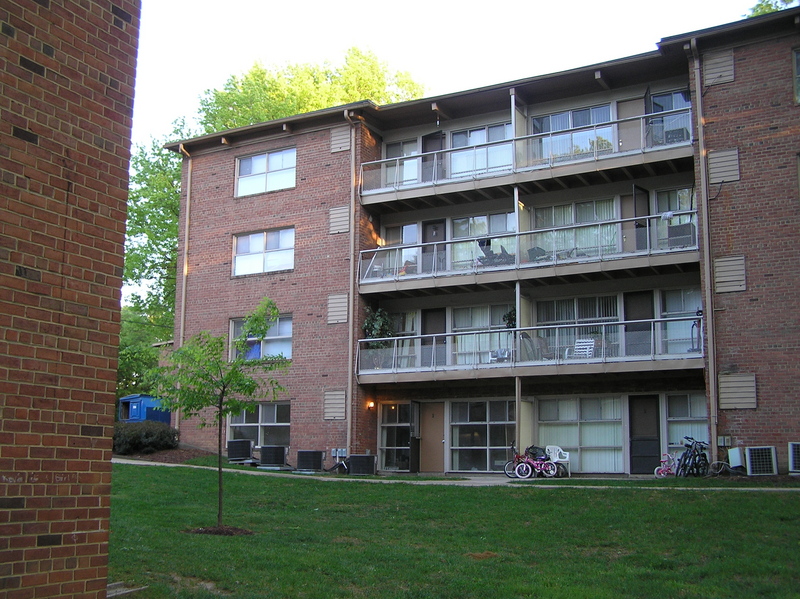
68, 70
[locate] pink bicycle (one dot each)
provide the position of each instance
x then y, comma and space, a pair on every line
667, 467
535, 461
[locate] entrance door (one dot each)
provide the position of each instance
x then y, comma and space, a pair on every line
630, 132
433, 256
434, 349
432, 165
431, 429
645, 433
638, 337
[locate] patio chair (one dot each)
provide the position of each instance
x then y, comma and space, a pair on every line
559, 456
582, 350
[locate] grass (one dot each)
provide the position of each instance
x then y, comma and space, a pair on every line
328, 539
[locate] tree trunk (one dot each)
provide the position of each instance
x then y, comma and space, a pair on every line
219, 463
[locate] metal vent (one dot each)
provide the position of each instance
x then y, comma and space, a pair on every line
333, 405
340, 139
339, 220
273, 455
240, 449
309, 460
737, 391
337, 308
723, 166
729, 274
718, 67
794, 458
761, 461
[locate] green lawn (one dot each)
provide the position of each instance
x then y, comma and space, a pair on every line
326, 539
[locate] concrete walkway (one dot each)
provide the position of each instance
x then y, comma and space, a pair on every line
465, 480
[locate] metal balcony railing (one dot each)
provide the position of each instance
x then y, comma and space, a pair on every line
608, 240
596, 142
636, 340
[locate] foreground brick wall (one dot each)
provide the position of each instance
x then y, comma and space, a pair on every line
758, 217
67, 96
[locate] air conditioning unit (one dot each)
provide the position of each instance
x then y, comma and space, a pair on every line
794, 458
761, 461
310, 460
362, 464
273, 455
240, 449
735, 457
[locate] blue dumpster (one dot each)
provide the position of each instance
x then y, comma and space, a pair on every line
139, 407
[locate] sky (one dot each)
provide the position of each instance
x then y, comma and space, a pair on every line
189, 46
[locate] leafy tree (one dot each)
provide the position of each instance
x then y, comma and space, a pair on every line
263, 94
199, 378
137, 356
765, 7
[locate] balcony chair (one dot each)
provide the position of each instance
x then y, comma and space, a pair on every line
535, 349
559, 456
582, 350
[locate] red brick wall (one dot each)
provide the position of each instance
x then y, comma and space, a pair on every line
322, 264
758, 330
66, 103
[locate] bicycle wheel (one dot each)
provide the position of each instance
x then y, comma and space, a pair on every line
660, 472
701, 465
561, 470
509, 469
717, 468
523, 470
683, 463
549, 469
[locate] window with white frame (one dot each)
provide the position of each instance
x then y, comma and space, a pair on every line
577, 230
402, 170
584, 130
674, 127
465, 254
402, 261
265, 251
395, 442
277, 342
405, 328
475, 344
687, 416
675, 230
268, 424
593, 317
679, 337
591, 427
489, 156
480, 434
266, 172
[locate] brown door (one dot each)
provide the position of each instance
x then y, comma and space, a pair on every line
638, 335
645, 433
433, 256
432, 165
431, 430
434, 349
630, 131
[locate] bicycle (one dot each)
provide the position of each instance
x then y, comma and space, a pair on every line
693, 460
723, 467
511, 465
536, 461
667, 467
342, 466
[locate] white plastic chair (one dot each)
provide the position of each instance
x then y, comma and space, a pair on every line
556, 454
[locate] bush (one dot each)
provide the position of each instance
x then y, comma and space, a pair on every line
143, 437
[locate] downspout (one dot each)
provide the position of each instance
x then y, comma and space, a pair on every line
185, 273
352, 283
708, 291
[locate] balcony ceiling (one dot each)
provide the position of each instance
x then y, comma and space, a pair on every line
561, 178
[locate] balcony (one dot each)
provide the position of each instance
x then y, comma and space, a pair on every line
510, 352
599, 142
595, 242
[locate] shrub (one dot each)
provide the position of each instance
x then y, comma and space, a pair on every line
143, 437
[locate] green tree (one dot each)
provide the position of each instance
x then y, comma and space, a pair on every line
765, 7
137, 354
263, 94
199, 378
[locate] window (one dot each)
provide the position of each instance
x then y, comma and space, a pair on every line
277, 342
796, 64
687, 416
673, 128
589, 426
588, 314
675, 231
267, 251
402, 261
395, 445
402, 171
487, 158
576, 241
588, 139
266, 172
465, 254
267, 425
481, 433
685, 335
475, 347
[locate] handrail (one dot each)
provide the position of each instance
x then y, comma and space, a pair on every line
611, 341
586, 242
655, 131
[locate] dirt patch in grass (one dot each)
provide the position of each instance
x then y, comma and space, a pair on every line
169, 456
223, 531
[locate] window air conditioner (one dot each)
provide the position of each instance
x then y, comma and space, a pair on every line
240, 449
761, 461
794, 458
310, 460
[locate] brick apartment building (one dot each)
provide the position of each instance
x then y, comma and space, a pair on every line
66, 103
602, 259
